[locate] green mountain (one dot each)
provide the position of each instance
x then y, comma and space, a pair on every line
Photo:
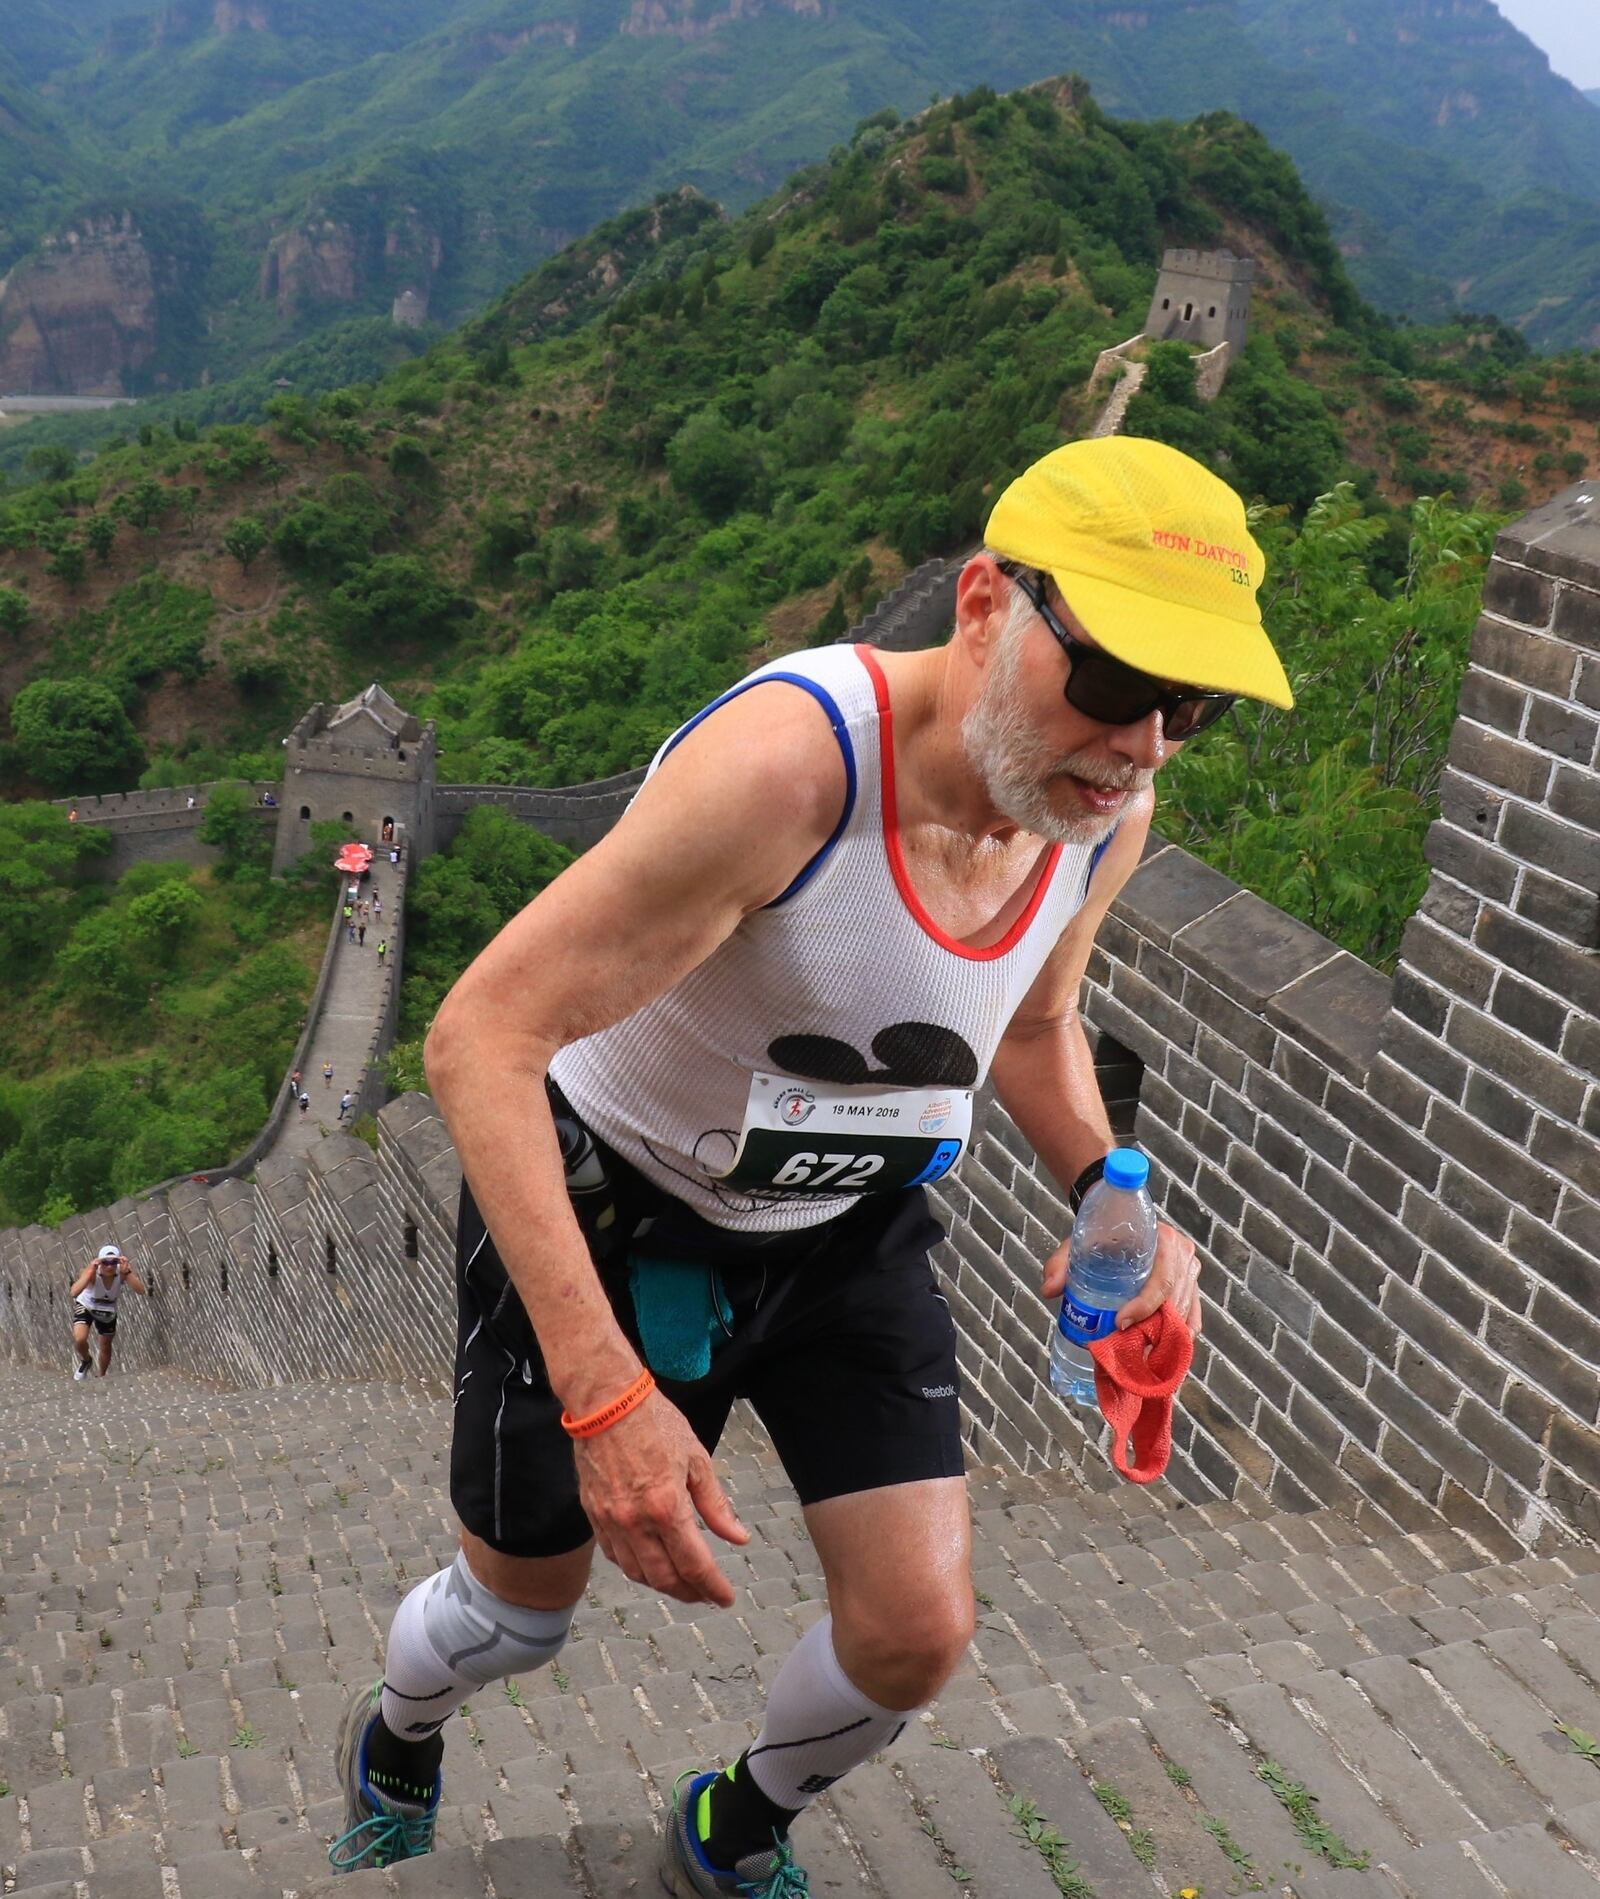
416, 156
684, 445
43, 169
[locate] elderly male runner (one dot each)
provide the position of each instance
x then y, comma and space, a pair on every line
697, 1088
95, 1295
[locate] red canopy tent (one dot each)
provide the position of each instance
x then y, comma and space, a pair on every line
354, 860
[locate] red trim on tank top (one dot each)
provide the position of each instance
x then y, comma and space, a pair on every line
896, 855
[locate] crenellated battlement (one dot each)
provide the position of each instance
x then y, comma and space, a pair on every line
1395, 1185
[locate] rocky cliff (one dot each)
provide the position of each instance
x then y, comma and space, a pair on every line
685, 19
367, 252
81, 316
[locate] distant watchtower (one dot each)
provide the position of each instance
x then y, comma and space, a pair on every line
364, 763
1202, 297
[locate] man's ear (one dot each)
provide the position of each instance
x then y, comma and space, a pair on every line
980, 595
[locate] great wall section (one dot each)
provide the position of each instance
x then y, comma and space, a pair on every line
1374, 1570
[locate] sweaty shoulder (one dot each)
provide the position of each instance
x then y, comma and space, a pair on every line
761, 783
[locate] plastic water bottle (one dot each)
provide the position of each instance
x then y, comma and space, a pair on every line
1113, 1247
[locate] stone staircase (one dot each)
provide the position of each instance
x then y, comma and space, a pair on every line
190, 1579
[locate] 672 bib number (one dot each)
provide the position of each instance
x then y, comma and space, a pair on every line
805, 1137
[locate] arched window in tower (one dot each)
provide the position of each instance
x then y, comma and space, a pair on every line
305, 811
1188, 311
347, 817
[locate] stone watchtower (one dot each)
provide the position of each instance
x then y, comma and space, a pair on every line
363, 763
1202, 297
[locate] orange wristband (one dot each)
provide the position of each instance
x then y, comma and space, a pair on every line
608, 1414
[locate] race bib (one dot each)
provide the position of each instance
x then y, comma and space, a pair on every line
821, 1137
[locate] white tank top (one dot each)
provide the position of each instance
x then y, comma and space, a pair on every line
99, 1295
842, 983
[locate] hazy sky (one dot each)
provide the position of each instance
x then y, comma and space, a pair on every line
1568, 30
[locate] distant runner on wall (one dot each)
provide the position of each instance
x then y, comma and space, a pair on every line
95, 1295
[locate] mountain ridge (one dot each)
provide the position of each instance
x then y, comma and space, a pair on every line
496, 131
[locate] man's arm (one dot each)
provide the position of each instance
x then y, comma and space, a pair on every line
80, 1284
1043, 1071
725, 825
1044, 1076
131, 1278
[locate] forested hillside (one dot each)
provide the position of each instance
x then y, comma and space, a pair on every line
561, 530
677, 448
349, 161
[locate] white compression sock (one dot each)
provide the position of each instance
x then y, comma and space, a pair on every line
819, 1724
450, 1637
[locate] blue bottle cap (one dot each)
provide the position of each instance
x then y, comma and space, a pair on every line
1126, 1167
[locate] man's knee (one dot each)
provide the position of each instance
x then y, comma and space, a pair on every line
531, 1582
901, 1652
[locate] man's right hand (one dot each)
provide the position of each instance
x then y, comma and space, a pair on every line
641, 1483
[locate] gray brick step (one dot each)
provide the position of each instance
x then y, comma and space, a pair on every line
262, 1540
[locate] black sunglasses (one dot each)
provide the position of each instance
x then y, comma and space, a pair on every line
1109, 691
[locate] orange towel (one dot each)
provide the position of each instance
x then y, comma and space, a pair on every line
1136, 1373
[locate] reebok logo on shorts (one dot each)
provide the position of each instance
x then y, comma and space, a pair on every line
938, 1391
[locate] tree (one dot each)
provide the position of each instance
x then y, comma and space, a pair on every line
160, 918
244, 537
40, 851
74, 735
51, 462
144, 501
232, 824
69, 563
716, 467
99, 967
397, 597
409, 458
14, 611
100, 531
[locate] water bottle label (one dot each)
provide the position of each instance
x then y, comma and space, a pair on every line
1084, 1324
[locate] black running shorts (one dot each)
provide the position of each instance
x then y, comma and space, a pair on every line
104, 1323
841, 1341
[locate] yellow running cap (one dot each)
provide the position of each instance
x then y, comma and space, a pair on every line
1152, 553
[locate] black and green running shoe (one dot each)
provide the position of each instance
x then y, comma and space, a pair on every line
687, 1873
379, 1829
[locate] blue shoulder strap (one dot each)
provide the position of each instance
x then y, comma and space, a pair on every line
835, 718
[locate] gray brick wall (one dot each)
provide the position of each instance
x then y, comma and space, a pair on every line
153, 826
1395, 1185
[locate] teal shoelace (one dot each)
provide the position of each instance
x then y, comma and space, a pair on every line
785, 1881
383, 1838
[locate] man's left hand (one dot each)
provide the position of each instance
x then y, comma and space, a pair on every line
1175, 1276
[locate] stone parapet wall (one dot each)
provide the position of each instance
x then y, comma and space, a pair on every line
1395, 1186
114, 808
574, 815
148, 827
918, 613
1211, 371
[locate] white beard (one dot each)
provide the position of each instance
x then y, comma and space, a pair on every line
1017, 768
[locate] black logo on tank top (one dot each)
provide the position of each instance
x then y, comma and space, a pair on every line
912, 1054
909, 1054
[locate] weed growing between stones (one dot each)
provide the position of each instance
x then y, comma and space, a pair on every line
1218, 1829
1582, 1743
1141, 1841
1051, 1848
1300, 1803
